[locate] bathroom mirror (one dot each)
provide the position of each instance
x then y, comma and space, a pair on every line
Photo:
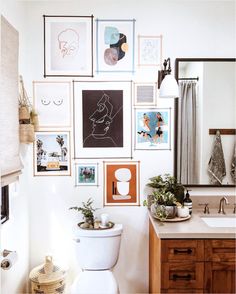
207, 103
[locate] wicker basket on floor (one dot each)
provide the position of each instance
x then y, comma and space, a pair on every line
47, 278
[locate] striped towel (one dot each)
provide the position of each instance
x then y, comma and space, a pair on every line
216, 165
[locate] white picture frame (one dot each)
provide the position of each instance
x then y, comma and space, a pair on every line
145, 94
115, 45
86, 174
92, 139
52, 155
53, 103
149, 50
152, 129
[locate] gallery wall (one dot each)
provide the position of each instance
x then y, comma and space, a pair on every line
187, 27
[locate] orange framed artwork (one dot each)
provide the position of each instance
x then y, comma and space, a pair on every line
121, 183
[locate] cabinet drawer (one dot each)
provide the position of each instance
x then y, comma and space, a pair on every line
199, 291
185, 275
179, 250
220, 250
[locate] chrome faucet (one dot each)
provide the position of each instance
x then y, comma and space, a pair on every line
223, 201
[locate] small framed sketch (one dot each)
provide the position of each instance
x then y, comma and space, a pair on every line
86, 174
52, 154
152, 129
145, 94
52, 102
149, 50
68, 46
115, 45
121, 183
102, 119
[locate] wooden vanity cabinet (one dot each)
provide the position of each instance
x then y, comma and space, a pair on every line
191, 266
220, 266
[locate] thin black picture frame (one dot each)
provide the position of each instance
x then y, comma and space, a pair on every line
47, 34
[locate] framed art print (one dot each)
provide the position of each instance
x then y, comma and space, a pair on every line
145, 94
121, 183
149, 50
102, 119
115, 45
52, 102
152, 129
86, 174
68, 46
52, 154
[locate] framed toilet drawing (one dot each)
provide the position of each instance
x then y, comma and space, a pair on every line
121, 183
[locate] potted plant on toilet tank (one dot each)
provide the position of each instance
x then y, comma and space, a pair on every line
88, 214
167, 193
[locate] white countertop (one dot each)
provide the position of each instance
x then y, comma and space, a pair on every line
193, 228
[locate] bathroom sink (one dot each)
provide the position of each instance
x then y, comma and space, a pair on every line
220, 221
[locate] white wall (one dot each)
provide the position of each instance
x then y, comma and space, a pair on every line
189, 29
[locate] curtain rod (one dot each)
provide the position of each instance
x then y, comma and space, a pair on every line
189, 78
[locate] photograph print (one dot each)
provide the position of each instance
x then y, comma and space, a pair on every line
102, 119
68, 46
52, 154
86, 174
152, 129
115, 45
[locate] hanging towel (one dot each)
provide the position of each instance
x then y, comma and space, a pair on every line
216, 165
233, 165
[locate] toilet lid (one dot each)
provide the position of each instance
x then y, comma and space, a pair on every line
114, 231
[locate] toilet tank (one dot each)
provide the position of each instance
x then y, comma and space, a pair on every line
97, 249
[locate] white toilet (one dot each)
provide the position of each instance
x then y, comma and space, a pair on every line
97, 253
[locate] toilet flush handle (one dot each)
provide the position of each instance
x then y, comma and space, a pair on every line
77, 240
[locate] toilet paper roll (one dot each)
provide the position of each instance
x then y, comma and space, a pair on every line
9, 260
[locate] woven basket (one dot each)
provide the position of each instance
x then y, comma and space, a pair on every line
26, 133
35, 121
24, 113
48, 278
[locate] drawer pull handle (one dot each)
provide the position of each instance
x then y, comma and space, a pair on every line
183, 251
184, 277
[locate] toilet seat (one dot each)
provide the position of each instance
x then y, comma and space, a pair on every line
95, 282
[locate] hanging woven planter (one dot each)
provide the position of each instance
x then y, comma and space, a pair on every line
28, 118
26, 133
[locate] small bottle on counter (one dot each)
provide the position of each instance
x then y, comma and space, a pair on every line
188, 202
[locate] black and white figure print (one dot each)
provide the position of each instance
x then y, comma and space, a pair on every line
102, 118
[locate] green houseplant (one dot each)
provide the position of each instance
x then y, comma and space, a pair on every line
88, 213
167, 183
167, 193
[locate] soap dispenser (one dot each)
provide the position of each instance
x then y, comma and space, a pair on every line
188, 202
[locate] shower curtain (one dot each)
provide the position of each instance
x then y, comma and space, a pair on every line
187, 164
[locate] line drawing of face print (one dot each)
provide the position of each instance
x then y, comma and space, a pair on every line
47, 101
101, 120
68, 41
